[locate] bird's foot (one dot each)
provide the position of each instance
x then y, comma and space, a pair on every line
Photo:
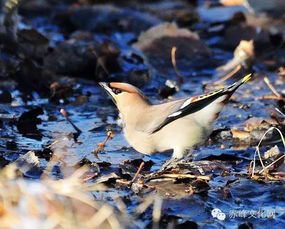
170, 164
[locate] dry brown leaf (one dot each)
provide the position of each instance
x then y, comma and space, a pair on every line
258, 123
241, 134
163, 30
273, 152
157, 43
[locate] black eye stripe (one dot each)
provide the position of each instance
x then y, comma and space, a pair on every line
116, 91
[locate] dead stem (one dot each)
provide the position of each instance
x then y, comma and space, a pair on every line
101, 145
53, 144
65, 114
230, 74
280, 112
266, 167
184, 176
137, 173
258, 152
173, 60
123, 182
271, 87
269, 97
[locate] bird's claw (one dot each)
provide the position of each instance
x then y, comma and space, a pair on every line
170, 164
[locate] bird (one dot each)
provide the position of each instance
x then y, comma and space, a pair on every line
176, 125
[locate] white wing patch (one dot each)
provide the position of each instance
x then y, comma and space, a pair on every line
207, 114
175, 114
186, 103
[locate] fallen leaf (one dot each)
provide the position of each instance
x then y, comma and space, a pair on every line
157, 43
241, 134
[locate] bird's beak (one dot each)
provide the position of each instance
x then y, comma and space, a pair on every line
104, 85
108, 90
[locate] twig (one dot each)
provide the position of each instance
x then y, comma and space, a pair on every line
101, 145
183, 176
269, 97
53, 144
271, 164
271, 87
257, 148
280, 112
230, 74
123, 182
65, 114
137, 173
173, 60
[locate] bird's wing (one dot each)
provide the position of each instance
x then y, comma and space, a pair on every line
156, 115
211, 103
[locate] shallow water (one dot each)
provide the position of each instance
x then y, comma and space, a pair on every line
232, 194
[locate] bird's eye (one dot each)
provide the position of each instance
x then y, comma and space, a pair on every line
116, 91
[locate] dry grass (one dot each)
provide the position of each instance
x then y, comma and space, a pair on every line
47, 203
257, 153
66, 203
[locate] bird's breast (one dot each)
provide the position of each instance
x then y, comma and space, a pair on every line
182, 133
140, 141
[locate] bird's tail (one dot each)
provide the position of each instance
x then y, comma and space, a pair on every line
246, 78
237, 84
215, 102
206, 107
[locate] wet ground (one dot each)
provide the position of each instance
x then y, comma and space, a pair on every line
59, 53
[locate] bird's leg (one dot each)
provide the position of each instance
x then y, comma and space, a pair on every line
177, 156
171, 163
179, 153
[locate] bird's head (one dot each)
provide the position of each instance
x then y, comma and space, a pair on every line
124, 95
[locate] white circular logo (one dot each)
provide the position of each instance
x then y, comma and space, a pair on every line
217, 213
221, 216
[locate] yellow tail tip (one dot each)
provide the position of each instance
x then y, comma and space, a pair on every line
246, 78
